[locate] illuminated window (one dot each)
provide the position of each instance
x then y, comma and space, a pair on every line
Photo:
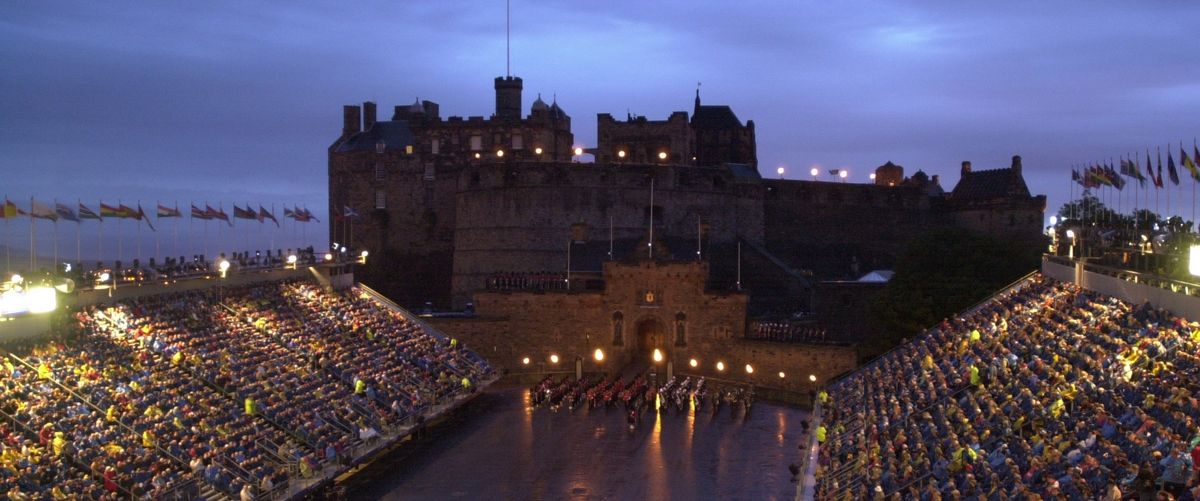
476, 143
380, 172
518, 142
380, 200
434, 145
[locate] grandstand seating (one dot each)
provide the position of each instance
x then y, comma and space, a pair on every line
1046, 392
217, 393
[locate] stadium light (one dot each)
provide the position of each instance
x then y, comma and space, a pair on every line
842, 174
598, 355
658, 355
362, 258
578, 151
329, 256
780, 171
1194, 260
16, 278
814, 173
749, 369
872, 176
693, 362
343, 249
291, 261
41, 300
554, 359
104, 276
335, 246
721, 366
1053, 220
1071, 235
224, 267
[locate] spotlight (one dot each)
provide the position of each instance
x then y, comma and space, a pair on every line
749, 369
721, 366
525, 361
781, 375
658, 356
662, 155
538, 150
693, 362
812, 377
16, 279
599, 355
554, 359
328, 256
578, 151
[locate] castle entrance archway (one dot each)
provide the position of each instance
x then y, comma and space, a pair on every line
651, 334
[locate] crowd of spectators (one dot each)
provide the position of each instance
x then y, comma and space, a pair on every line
1046, 392
542, 281
242, 389
787, 332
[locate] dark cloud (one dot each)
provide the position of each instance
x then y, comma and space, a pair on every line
238, 100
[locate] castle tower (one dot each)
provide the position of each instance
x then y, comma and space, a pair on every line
508, 98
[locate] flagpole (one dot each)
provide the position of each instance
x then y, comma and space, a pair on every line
78, 244
32, 244
698, 231
175, 241
610, 237
650, 244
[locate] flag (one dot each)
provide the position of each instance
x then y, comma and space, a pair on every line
65, 211
140, 215
300, 215
109, 211
1099, 176
40, 210
1174, 174
86, 213
127, 212
309, 215
264, 214
289, 213
1076, 177
11, 210
164, 211
1188, 164
1114, 178
1158, 181
247, 213
198, 213
348, 212
834, 172
217, 214
1150, 169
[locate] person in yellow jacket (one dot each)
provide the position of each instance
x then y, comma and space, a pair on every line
466, 383
249, 405
148, 440
111, 413
44, 371
59, 443
974, 375
823, 397
962, 457
360, 386
821, 432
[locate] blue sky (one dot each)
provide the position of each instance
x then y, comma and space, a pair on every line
236, 102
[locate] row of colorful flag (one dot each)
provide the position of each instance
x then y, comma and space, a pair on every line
42, 210
1103, 174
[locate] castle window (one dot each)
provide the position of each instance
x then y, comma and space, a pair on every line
618, 329
518, 142
380, 200
680, 329
434, 145
429, 172
380, 172
476, 143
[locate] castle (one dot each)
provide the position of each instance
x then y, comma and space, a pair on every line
460, 201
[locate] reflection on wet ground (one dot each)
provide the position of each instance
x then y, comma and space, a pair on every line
500, 448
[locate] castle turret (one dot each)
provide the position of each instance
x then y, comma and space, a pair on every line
508, 98
966, 167
1016, 164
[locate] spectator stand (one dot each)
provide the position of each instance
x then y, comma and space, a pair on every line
388, 303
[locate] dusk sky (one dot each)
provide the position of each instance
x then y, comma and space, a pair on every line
236, 102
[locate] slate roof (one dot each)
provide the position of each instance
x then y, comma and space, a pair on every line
395, 134
990, 184
715, 117
743, 172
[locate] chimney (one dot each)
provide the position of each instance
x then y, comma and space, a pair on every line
966, 167
350, 120
368, 115
935, 180
1016, 164
508, 98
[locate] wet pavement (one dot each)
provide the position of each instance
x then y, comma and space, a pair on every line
497, 447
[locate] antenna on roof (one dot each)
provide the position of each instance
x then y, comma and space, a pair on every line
507, 38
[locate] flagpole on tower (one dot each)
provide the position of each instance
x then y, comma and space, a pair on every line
32, 244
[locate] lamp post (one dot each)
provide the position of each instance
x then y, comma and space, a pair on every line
780, 171
814, 171
842, 174
1071, 235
